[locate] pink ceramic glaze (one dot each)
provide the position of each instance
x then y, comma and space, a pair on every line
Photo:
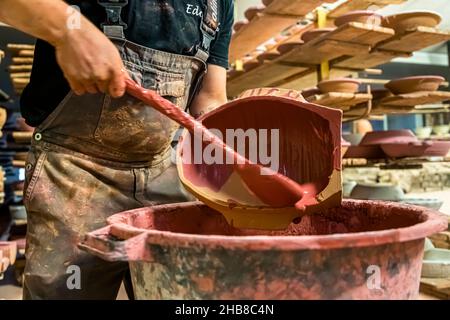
364, 152
401, 150
438, 149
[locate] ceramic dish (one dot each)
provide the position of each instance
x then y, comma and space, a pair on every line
289, 46
423, 132
388, 136
364, 152
403, 150
441, 130
251, 12
339, 85
439, 148
313, 34
362, 16
414, 84
378, 191
403, 22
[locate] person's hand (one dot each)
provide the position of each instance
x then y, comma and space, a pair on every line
90, 62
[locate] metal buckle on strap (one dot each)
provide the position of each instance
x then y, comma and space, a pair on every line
113, 12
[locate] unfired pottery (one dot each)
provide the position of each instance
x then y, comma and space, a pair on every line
353, 138
436, 263
251, 12
238, 25
362, 16
402, 150
377, 191
414, 84
388, 136
189, 251
268, 56
347, 187
441, 130
423, 132
313, 34
289, 46
403, 22
438, 149
251, 64
339, 85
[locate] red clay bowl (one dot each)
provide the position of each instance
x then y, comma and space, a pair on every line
403, 150
238, 25
403, 22
414, 84
268, 56
339, 85
364, 152
289, 46
388, 136
439, 148
251, 12
362, 16
313, 34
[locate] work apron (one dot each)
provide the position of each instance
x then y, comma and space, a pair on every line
95, 156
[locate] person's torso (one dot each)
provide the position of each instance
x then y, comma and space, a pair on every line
167, 25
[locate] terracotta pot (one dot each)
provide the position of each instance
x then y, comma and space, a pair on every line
403, 22
267, 2
377, 191
364, 152
388, 136
402, 150
189, 251
438, 149
339, 85
251, 12
362, 16
413, 84
289, 46
268, 56
313, 34
238, 25
316, 145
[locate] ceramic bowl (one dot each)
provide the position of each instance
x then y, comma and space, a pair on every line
238, 25
251, 12
430, 203
378, 191
423, 132
353, 138
362, 16
403, 150
388, 136
347, 187
313, 34
403, 22
267, 2
339, 85
436, 263
18, 212
441, 130
438, 149
289, 46
309, 92
414, 84
364, 152
251, 64
268, 56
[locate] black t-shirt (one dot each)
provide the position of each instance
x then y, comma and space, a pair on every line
167, 25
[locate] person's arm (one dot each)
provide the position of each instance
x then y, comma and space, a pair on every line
212, 93
89, 60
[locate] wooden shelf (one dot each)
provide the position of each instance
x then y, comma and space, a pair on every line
374, 58
415, 40
259, 30
416, 98
436, 287
352, 5
339, 100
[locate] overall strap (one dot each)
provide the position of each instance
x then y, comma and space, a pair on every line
114, 26
208, 27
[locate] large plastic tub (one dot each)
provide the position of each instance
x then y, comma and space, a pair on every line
363, 250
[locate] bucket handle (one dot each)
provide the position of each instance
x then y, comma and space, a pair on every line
102, 244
